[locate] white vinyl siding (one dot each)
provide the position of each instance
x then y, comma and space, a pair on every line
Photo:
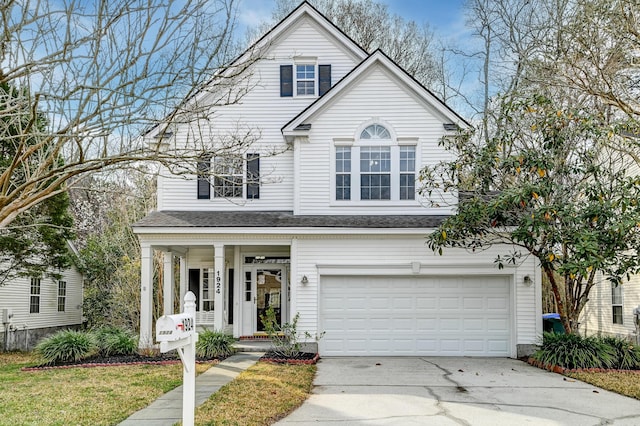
16, 295
261, 113
411, 123
597, 315
381, 256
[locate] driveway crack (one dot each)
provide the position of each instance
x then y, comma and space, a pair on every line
439, 401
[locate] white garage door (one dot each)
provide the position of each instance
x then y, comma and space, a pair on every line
415, 316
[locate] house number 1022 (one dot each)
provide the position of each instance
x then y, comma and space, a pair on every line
218, 283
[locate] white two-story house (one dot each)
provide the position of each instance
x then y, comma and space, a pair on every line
322, 217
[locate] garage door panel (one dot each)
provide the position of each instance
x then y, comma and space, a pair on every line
415, 316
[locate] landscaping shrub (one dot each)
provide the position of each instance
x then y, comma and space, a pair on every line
626, 354
67, 346
214, 344
575, 351
114, 341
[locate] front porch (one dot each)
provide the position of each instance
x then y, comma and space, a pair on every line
234, 285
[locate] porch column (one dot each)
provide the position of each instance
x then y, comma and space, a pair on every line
146, 296
183, 281
218, 301
168, 282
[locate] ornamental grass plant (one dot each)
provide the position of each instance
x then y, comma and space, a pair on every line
214, 344
67, 346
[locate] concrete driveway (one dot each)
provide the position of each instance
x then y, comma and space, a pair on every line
455, 391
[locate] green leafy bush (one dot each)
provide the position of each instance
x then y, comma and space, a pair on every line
575, 351
214, 344
626, 354
67, 346
285, 338
114, 341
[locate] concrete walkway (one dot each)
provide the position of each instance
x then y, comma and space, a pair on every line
167, 410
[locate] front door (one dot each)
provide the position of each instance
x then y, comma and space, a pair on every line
264, 287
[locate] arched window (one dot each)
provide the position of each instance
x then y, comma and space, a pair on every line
376, 167
375, 131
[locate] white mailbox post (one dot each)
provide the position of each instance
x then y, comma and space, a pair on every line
179, 332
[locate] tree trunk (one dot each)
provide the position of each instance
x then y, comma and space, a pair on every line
566, 322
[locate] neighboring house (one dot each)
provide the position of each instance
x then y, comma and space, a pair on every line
33, 307
333, 227
610, 309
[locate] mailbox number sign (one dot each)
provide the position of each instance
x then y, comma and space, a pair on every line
186, 324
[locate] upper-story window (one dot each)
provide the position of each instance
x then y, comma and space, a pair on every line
383, 170
304, 79
233, 177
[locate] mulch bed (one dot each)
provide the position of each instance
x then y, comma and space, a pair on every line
299, 358
136, 359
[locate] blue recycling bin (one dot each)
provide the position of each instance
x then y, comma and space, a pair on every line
551, 323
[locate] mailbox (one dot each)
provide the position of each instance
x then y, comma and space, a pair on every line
170, 328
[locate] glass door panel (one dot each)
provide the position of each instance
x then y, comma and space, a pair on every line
268, 294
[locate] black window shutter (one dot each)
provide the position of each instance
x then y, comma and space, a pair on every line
253, 176
286, 80
324, 80
204, 186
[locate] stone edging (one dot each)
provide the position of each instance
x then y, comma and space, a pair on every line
563, 370
292, 361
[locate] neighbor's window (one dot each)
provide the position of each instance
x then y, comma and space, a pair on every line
34, 300
62, 295
616, 303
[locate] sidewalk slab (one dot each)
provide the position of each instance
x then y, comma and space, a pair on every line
167, 409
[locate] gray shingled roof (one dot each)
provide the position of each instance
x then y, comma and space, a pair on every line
282, 219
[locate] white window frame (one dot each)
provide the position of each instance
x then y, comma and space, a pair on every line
62, 296
355, 144
617, 289
305, 61
35, 283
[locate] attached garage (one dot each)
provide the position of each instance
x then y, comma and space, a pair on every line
416, 315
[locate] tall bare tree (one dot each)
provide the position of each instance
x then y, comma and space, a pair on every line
100, 73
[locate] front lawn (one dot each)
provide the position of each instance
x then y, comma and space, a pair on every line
107, 395
622, 382
261, 395
79, 396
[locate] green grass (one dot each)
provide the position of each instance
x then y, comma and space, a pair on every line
107, 395
79, 396
261, 395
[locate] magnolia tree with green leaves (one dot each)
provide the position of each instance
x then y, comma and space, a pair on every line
548, 185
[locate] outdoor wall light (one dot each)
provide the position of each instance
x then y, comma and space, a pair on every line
528, 281
304, 280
